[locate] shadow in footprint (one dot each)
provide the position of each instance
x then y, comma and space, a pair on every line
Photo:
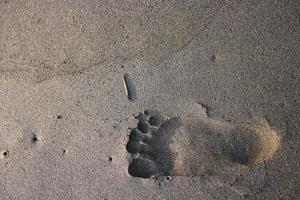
149, 144
201, 145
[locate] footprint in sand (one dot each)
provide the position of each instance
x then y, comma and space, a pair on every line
187, 146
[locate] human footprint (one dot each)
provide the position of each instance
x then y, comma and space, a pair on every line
190, 146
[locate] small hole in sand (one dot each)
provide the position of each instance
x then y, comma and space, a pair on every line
110, 158
59, 117
213, 57
5, 154
34, 139
169, 178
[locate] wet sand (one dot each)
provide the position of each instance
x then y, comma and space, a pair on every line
65, 113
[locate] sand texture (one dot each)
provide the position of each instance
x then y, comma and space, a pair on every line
162, 99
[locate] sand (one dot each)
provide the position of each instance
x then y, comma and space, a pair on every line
65, 114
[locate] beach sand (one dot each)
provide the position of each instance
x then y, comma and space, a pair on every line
65, 115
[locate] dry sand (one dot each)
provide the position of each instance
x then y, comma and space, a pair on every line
65, 114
